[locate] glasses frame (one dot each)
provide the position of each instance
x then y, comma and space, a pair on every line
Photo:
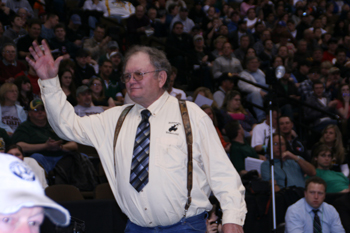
137, 75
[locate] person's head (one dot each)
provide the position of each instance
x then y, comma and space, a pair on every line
116, 58
242, 25
250, 52
106, 69
99, 32
252, 63
302, 46
325, 66
145, 74
286, 125
74, 22
275, 116
198, 41
66, 78
318, 88
96, 87
340, 54
15, 150
344, 91
331, 135
81, 57
268, 45
322, 157
227, 49
9, 53
16, 21
223, 30
210, 112
227, 81
204, 91
152, 14
34, 29
315, 191
36, 112
314, 74
244, 41
317, 54
251, 14
23, 200
232, 102
178, 28
84, 97
60, 32
139, 11
23, 84
278, 145
183, 13
51, 20
8, 94
23, 13
173, 9
219, 42
233, 130
291, 25
282, 51
334, 74
332, 44
277, 61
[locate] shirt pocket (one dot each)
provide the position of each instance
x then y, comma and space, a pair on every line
171, 152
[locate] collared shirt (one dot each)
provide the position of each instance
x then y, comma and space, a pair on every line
300, 218
222, 64
7, 64
162, 201
261, 134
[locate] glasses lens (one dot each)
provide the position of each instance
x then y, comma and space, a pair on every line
138, 76
125, 78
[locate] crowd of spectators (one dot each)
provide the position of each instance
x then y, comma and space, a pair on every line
209, 44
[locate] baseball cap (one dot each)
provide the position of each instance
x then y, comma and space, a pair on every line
114, 53
333, 70
19, 188
82, 89
113, 44
76, 19
35, 103
198, 36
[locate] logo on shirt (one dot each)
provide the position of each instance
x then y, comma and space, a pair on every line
173, 128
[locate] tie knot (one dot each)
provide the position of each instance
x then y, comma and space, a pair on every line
315, 211
145, 114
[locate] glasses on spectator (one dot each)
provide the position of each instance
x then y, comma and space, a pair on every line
277, 144
97, 84
9, 51
138, 76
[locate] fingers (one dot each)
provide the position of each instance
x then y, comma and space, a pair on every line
58, 61
38, 50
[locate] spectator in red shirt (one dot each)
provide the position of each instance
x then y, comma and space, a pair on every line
329, 55
9, 66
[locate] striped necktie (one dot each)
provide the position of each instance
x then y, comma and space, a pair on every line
140, 158
317, 223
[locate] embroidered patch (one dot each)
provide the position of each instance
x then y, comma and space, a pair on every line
174, 126
22, 171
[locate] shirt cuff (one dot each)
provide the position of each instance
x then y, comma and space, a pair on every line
49, 85
231, 216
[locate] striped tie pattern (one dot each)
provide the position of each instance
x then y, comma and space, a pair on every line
317, 223
140, 158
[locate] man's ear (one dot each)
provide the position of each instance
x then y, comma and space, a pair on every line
162, 77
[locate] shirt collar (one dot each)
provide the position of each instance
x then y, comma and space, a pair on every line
309, 208
157, 105
7, 64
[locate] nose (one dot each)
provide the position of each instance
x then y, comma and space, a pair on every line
23, 228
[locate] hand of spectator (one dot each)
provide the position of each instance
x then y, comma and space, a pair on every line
9, 133
288, 155
262, 93
43, 63
10, 80
332, 104
53, 145
78, 43
212, 226
262, 157
105, 40
205, 59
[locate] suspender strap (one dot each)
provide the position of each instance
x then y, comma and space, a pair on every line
189, 140
117, 130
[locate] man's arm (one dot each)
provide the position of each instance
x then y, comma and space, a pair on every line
70, 146
294, 224
305, 166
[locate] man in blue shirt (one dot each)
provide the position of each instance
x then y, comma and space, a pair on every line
311, 214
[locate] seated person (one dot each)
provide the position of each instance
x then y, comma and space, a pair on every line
9, 65
85, 106
289, 168
226, 82
322, 159
66, 78
16, 30
37, 138
25, 92
98, 94
261, 132
47, 28
65, 48
97, 45
23, 200
240, 148
311, 213
232, 109
33, 78
318, 119
112, 85
12, 115
82, 71
24, 43
39, 172
178, 93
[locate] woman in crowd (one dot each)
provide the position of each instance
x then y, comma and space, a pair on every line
232, 109
98, 94
343, 101
332, 137
11, 114
206, 93
25, 92
322, 160
67, 85
208, 110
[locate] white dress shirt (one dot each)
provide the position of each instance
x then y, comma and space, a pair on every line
162, 201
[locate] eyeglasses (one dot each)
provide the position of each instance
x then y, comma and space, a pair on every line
138, 76
97, 84
8, 52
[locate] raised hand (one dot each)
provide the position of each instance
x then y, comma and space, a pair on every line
43, 63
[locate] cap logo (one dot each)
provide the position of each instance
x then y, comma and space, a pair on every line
22, 171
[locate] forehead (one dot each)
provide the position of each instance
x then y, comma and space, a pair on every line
7, 47
285, 120
316, 187
138, 61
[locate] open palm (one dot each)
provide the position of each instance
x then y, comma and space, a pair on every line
43, 63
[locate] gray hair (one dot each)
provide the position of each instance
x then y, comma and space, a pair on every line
157, 59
